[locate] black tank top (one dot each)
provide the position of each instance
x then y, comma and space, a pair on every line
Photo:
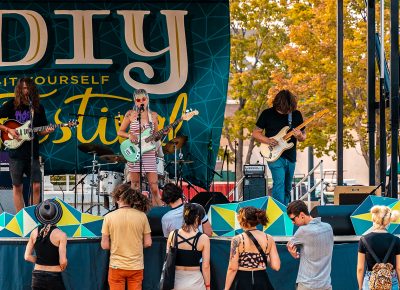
188, 258
46, 252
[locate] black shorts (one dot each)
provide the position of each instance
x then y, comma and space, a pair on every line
44, 280
252, 280
20, 166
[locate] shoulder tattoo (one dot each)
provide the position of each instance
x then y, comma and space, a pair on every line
234, 247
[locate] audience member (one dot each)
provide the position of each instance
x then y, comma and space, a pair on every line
50, 245
173, 196
126, 231
247, 269
193, 246
313, 244
380, 242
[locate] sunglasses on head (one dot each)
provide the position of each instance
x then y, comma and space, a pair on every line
141, 99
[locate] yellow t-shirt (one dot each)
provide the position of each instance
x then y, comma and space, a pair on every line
126, 228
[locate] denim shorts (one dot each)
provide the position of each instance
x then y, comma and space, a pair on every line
20, 166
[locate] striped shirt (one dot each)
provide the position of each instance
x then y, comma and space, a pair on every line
315, 241
148, 158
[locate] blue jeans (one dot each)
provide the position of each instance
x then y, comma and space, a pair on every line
282, 171
395, 282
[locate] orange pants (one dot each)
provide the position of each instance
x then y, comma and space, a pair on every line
117, 278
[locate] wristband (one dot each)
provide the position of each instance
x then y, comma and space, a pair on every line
207, 285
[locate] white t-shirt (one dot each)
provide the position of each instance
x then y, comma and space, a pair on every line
173, 220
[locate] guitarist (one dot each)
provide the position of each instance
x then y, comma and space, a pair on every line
20, 158
130, 122
283, 113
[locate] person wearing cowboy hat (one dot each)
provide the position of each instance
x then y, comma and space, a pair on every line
50, 245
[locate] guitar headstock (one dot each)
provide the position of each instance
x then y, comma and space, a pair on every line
189, 114
321, 113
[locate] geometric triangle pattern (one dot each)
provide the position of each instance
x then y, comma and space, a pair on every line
223, 217
73, 222
361, 218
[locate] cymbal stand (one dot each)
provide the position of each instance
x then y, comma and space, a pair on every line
175, 168
94, 184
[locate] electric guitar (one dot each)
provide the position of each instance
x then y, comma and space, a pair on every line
272, 153
148, 141
25, 132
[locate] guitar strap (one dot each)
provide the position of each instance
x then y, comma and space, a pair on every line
290, 120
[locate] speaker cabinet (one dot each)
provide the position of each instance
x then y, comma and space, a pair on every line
206, 199
338, 216
254, 187
345, 195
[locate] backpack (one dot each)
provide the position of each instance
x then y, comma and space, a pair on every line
381, 274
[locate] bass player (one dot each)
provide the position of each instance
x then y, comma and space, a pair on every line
148, 120
18, 109
283, 113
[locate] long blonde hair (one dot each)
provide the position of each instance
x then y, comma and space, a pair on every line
382, 215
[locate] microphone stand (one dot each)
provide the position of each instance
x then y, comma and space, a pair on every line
375, 189
141, 108
208, 167
222, 167
31, 110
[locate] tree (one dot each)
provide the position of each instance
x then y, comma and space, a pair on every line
257, 35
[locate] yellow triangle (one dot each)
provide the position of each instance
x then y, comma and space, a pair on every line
227, 214
273, 211
77, 233
87, 218
364, 216
67, 218
14, 227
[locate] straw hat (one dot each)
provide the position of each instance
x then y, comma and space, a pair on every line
48, 212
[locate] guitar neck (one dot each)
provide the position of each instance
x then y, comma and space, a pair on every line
42, 128
301, 126
159, 134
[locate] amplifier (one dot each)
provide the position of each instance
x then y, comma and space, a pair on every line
254, 170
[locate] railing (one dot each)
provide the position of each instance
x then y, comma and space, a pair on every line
234, 191
295, 194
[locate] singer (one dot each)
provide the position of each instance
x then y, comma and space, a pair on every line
26, 100
148, 120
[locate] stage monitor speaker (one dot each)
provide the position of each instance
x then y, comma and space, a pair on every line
338, 216
154, 216
355, 194
254, 187
206, 199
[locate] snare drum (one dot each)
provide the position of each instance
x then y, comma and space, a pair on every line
109, 180
160, 163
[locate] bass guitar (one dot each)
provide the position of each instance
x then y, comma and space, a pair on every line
272, 153
148, 141
25, 132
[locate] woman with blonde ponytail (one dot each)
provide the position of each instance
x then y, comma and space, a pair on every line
380, 241
249, 251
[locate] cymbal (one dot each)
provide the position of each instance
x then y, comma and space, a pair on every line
177, 142
181, 161
99, 149
113, 158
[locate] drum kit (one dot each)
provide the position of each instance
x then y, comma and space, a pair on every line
103, 182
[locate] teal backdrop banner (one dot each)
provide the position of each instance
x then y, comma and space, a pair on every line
87, 58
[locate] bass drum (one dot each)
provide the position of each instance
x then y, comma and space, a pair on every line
109, 180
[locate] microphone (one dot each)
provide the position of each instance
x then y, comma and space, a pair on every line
141, 109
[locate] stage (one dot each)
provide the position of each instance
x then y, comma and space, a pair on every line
87, 264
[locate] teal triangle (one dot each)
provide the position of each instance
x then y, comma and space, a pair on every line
7, 218
230, 206
360, 226
69, 230
220, 233
392, 227
2, 220
364, 207
229, 234
4, 233
31, 211
218, 222
277, 228
86, 233
20, 219
379, 200
395, 230
289, 226
256, 202
95, 227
